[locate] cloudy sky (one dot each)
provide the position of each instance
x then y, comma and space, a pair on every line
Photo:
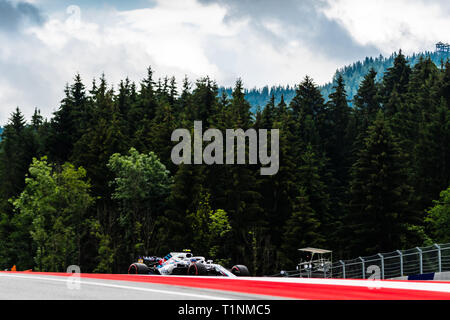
265, 42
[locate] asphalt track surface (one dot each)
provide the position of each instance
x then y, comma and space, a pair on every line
43, 287
63, 286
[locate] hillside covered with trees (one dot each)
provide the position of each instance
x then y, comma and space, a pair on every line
95, 186
353, 76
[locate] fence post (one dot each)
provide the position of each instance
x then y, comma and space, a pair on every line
420, 259
382, 265
343, 268
439, 256
363, 267
401, 262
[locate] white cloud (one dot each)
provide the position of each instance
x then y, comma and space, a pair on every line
412, 25
7, 93
178, 37
174, 37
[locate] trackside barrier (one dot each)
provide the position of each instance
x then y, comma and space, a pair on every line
397, 264
434, 276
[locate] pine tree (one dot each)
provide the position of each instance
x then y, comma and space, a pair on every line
432, 156
142, 111
395, 79
175, 227
268, 114
338, 140
380, 194
239, 185
445, 87
204, 101
335, 175
420, 103
367, 100
308, 100
36, 120
311, 177
184, 104
15, 157
69, 122
308, 109
281, 107
301, 230
79, 108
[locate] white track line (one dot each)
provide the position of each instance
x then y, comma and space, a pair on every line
403, 285
69, 279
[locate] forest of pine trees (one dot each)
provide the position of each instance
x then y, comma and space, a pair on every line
94, 185
353, 75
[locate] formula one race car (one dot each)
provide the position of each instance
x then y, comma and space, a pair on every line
184, 263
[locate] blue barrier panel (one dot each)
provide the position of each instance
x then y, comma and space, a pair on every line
425, 276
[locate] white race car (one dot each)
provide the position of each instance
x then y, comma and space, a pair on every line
184, 263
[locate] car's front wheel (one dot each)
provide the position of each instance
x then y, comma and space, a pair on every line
240, 271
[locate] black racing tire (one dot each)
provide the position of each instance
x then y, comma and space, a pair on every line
197, 269
138, 268
240, 271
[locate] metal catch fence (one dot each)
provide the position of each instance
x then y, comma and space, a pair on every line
420, 260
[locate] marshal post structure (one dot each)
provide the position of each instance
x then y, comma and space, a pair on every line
442, 47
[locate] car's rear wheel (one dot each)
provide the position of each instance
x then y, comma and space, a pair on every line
240, 271
138, 268
197, 269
